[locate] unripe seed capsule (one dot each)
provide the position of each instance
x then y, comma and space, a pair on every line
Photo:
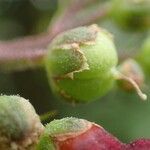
20, 126
79, 63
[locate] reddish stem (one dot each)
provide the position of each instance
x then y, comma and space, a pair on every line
34, 47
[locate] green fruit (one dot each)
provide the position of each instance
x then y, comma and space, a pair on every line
79, 63
132, 14
20, 126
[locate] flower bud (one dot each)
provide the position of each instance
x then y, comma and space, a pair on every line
77, 134
79, 63
20, 126
132, 14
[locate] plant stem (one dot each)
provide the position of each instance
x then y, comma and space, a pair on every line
28, 52
81, 17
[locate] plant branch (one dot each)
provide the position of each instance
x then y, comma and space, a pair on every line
33, 48
74, 6
78, 17
91, 15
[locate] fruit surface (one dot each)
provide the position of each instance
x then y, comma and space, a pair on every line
79, 63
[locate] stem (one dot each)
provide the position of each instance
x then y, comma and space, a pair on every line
23, 53
119, 76
29, 52
12, 60
93, 14
83, 17
74, 7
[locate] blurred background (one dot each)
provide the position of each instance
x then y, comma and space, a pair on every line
122, 114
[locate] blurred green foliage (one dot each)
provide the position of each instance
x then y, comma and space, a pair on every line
23, 17
123, 114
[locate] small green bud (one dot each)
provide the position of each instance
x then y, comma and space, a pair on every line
79, 63
132, 14
20, 126
144, 56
